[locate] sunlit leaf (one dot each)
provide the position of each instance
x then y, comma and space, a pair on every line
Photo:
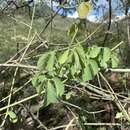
114, 61
103, 64
94, 67
38, 78
42, 62
119, 115
51, 61
90, 70
50, 96
70, 57
77, 61
94, 52
87, 74
83, 9
41, 78
104, 57
41, 83
39, 88
12, 116
81, 53
106, 54
35, 80
63, 58
59, 86
73, 70
62, 71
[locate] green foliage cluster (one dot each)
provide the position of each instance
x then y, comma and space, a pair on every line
55, 68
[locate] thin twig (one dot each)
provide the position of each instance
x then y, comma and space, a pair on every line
13, 81
18, 65
70, 123
21, 101
75, 106
20, 88
118, 70
35, 118
116, 100
88, 124
114, 48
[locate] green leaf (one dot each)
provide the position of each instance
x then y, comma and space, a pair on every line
63, 58
114, 61
106, 54
90, 70
101, 62
35, 80
51, 61
38, 82
59, 86
94, 51
72, 29
39, 88
41, 78
73, 70
77, 61
70, 58
83, 9
104, 57
50, 96
87, 74
119, 115
41, 83
42, 62
62, 71
94, 67
81, 53
12, 116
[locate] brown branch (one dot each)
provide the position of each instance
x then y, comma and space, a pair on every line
109, 24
